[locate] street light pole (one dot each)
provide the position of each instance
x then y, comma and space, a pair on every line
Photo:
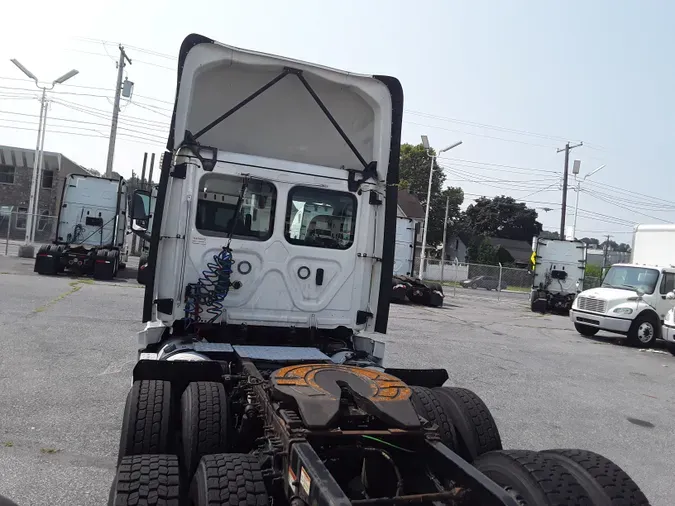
38, 182
576, 207
39, 148
427, 146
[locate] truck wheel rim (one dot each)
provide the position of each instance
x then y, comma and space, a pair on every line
645, 332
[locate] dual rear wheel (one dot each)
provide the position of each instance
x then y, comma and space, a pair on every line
547, 478
150, 446
150, 471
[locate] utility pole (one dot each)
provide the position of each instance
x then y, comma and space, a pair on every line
567, 150
445, 234
116, 110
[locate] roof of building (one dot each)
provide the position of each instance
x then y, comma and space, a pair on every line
410, 205
521, 251
22, 157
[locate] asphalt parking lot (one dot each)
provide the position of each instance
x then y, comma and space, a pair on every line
68, 348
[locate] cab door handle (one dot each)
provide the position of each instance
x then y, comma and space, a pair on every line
319, 277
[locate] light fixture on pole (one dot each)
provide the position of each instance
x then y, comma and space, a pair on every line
39, 147
578, 189
427, 146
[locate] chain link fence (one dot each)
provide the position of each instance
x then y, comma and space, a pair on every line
479, 276
13, 224
489, 277
591, 282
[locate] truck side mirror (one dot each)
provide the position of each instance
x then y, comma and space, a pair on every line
670, 296
140, 205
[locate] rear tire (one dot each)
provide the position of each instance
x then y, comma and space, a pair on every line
476, 429
104, 268
428, 406
147, 427
586, 330
532, 478
228, 479
47, 260
204, 418
605, 482
146, 480
644, 331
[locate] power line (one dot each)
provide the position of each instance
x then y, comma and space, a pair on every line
628, 192
633, 210
485, 125
145, 131
480, 135
127, 138
643, 204
491, 164
479, 179
134, 120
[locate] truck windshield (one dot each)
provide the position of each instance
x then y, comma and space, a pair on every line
631, 278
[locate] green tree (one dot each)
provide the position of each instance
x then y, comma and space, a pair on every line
610, 245
502, 217
414, 176
590, 241
546, 234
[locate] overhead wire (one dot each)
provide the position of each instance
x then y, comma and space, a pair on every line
616, 204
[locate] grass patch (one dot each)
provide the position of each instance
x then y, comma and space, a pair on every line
74, 287
7, 444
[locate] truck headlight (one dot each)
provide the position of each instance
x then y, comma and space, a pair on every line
622, 310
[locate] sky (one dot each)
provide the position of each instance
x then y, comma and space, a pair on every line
514, 81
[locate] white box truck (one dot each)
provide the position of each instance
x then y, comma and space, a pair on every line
557, 273
91, 229
634, 298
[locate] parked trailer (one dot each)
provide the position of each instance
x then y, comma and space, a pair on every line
91, 229
558, 273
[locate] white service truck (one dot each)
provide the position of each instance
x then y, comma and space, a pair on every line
91, 229
634, 298
557, 273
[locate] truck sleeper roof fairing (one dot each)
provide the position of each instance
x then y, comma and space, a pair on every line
240, 102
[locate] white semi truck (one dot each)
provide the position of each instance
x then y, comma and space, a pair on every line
91, 229
260, 377
634, 298
557, 273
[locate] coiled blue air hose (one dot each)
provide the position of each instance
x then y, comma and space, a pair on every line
207, 295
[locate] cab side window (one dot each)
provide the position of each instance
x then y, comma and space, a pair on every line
218, 214
668, 282
320, 218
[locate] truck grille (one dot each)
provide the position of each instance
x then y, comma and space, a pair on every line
592, 305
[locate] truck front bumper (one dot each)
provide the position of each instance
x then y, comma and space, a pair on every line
602, 322
668, 332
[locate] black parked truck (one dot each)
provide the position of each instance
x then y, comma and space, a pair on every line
91, 229
260, 377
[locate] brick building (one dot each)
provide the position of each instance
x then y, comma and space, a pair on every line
16, 171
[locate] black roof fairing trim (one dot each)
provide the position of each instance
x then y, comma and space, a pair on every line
389, 241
